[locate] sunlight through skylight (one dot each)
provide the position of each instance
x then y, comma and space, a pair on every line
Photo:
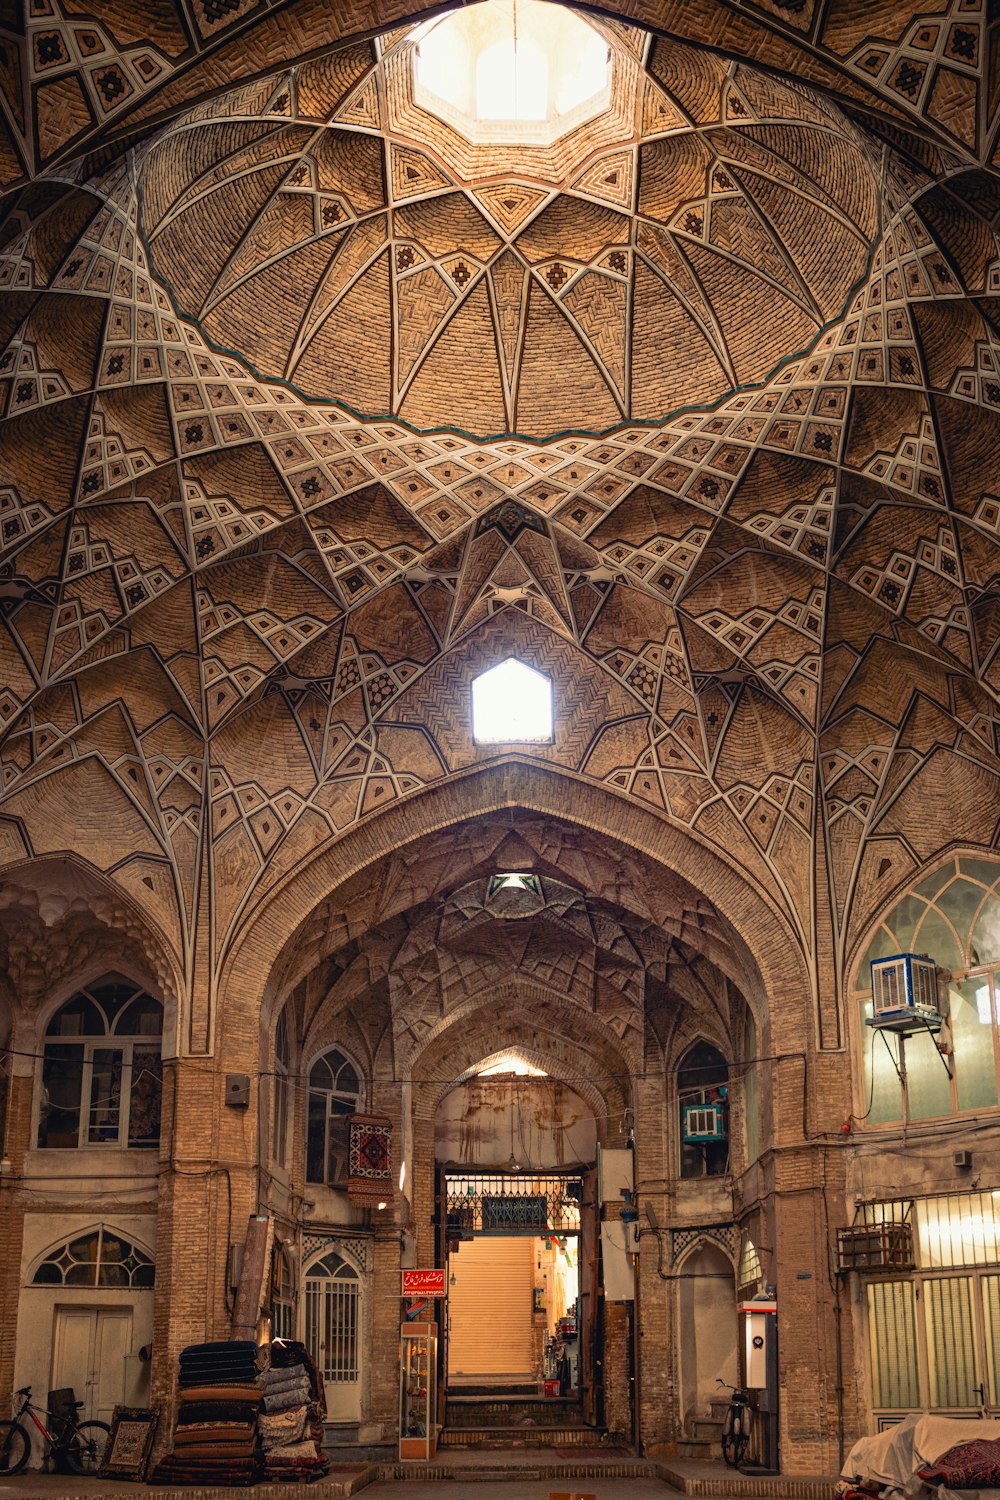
511, 703
517, 70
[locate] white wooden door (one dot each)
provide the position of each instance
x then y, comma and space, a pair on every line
88, 1353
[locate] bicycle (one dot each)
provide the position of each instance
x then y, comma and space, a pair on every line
81, 1444
736, 1426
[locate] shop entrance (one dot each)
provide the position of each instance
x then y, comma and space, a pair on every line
515, 1317
512, 1311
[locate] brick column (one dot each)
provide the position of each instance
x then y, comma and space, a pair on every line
16, 1144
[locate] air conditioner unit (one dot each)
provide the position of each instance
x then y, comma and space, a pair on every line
875, 1247
703, 1124
905, 993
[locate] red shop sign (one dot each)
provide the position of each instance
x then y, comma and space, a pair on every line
423, 1284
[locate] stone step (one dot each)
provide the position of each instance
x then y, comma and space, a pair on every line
521, 1437
518, 1411
698, 1447
706, 1427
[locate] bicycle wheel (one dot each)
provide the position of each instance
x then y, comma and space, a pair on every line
15, 1446
735, 1437
86, 1447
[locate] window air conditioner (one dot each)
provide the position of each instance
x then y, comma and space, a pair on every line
905, 993
703, 1124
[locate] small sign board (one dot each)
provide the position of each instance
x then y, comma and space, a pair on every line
423, 1284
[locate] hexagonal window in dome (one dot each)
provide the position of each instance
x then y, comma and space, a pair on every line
519, 71
512, 704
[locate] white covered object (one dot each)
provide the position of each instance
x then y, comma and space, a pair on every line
892, 1457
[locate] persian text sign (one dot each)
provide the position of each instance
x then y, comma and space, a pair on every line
423, 1284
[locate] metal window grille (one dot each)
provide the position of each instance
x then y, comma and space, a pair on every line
952, 1230
503, 1204
892, 1340
333, 1304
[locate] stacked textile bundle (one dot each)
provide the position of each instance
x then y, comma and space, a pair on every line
215, 1439
291, 1424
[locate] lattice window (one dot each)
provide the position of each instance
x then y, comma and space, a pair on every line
101, 1257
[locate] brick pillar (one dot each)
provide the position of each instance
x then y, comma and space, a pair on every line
207, 1189
617, 1413
806, 1320
383, 1357
16, 1144
657, 1353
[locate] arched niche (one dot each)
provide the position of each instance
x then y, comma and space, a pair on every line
707, 1329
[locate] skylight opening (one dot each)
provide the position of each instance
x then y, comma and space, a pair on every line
518, 71
512, 704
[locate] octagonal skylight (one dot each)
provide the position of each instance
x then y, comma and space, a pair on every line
512, 71
511, 704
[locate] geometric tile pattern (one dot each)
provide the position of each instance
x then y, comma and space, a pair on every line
251, 553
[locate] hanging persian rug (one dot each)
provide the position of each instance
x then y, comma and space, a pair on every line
370, 1177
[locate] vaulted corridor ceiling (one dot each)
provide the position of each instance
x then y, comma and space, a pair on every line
313, 410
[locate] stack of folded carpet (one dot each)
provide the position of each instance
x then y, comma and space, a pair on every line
291, 1424
216, 1439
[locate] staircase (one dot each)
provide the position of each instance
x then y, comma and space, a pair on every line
705, 1439
516, 1421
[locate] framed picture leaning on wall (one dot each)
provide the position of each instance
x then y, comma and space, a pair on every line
130, 1442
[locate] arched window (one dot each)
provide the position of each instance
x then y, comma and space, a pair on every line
101, 1070
334, 1090
952, 915
279, 1123
101, 1257
702, 1093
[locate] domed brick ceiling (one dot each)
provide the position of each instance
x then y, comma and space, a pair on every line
239, 619
347, 240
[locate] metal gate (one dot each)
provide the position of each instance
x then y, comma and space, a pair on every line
333, 1295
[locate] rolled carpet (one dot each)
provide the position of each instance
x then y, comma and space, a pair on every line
226, 1432
277, 1428
237, 1390
285, 1400
291, 1453
213, 1412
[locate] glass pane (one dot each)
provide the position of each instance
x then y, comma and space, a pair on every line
958, 1230
145, 1097
904, 920
892, 1339
882, 945
78, 1017
105, 1094
316, 1138
985, 944
144, 1017
62, 1085
991, 1320
950, 1357
339, 1138
936, 938
960, 902
881, 1081
972, 1034
280, 1122
928, 1086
